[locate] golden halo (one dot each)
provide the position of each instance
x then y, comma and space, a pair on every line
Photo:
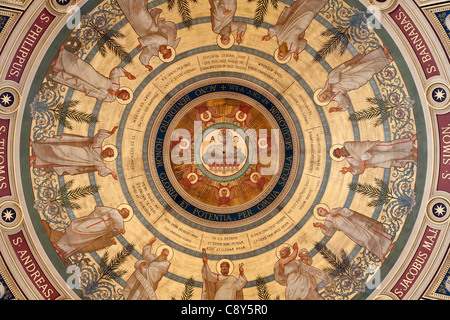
207, 118
284, 245
125, 102
184, 144
317, 101
130, 209
193, 174
286, 60
224, 260
336, 146
225, 46
263, 146
116, 152
238, 116
320, 205
255, 175
224, 188
305, 252
164, 246
172, 57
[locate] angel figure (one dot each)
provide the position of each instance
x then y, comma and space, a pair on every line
241, 114
206, 114
191, 178
255, 179
264, 141
224, 194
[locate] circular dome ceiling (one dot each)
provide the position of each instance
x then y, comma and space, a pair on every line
305, 143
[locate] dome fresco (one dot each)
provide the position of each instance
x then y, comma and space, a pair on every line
224, 149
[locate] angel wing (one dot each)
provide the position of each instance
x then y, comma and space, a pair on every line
232, 190
216, 192
198, 184
247, 120
250, 183
213, 112
188, 170
233, 112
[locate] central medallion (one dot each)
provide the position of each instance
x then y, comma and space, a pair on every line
222, 153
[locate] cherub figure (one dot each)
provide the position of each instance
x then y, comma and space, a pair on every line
224, 194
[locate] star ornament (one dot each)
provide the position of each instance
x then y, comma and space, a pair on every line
439, 210
439, 95
8, 215
6, 99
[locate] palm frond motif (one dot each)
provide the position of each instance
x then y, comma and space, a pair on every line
188, 290
339, 40
262, 7
67, 197
380, 193
339, 37
107, 40
65, 111
340, 264
261, 287
184, 10
345, 273
108, 269
379, 108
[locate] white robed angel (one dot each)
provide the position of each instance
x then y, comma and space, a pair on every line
70, 154
222, 286
149, 271
298, 276
376, 154
72, 71
352, 75
92, 231
363, 230
222, 21
291, 26
156, 36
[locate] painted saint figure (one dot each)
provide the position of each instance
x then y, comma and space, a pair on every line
365, 231
222, 286
149, 271
156, 36
298, 276
138, 16
352, 75
92, 232
291, 26
376, 154
222, 20
70, 154
72, 71
161, 43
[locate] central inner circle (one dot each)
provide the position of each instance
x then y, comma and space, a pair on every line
222, 153
225, 151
